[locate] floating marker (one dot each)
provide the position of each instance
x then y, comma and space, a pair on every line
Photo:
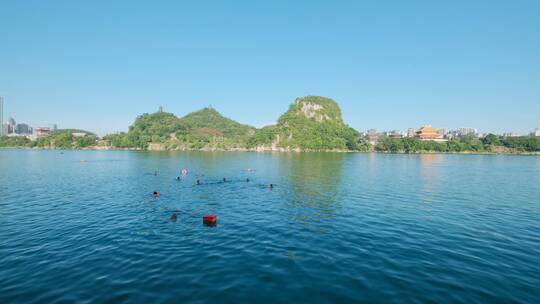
210, 219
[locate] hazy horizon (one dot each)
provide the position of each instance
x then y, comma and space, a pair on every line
393, 65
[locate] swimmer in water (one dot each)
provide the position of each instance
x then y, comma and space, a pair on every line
224, 180
198, 182
247, 180
178, 178
155, 173
174, 217
155, 194
270, 186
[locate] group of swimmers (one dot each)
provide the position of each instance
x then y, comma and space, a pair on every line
174, 216
198, 181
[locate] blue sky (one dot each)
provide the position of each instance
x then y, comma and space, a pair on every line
96, 65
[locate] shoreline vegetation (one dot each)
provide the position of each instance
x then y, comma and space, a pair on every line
103, 148
311, 124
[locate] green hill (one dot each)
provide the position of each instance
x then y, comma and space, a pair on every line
208, 129
148, 128
204, 129
311, 123
211, 122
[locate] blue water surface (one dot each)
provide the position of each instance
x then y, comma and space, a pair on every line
81, 226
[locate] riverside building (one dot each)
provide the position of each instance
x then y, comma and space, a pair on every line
42, 132
427, 132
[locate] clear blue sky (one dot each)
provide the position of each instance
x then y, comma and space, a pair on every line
96, 65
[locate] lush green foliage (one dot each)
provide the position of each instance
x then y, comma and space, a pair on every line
157, 127
311, 123
523, 143
209, 122
63, 139
314, 123
71, 131
202, 129
17, 141
489, 143
118, 140
262, 136
491, 139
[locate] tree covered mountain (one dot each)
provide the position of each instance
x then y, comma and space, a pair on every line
147, 128
311, 123
204, 129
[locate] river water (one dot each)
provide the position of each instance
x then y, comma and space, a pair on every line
82, 226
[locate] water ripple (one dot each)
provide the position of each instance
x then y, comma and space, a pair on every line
336, 228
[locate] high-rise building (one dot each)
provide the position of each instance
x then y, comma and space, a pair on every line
1, 116
23, 129
536, 132
11, 126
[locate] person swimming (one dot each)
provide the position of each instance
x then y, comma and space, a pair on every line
155, 173
270, 186
178, 178
155, 194
224, 180
247, 180
174, 217
198, 182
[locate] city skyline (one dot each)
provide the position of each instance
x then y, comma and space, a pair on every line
96, 66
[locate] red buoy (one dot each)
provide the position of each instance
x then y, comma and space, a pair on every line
210, 219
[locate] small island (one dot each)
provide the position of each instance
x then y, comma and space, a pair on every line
311, 124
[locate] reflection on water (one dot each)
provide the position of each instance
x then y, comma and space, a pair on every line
312, 182
429, 175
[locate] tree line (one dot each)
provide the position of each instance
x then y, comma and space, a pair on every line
489, 143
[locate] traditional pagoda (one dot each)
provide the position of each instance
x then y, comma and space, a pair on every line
427, 132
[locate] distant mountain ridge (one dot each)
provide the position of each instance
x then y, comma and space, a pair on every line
312, 123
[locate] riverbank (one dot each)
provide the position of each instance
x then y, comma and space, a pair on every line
280, 150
